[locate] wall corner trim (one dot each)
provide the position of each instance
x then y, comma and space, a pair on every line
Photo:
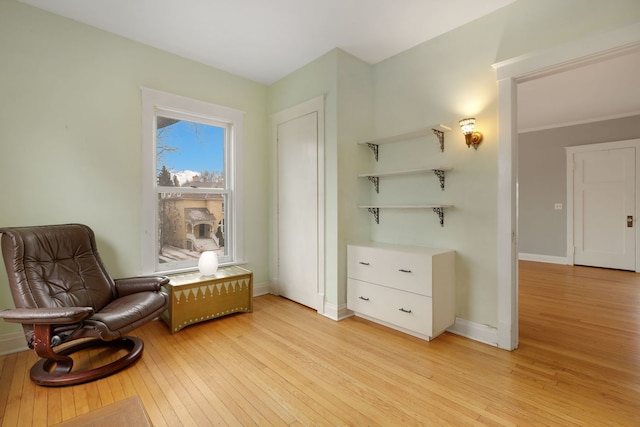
336, 311
544, 258
476, 331
263, 288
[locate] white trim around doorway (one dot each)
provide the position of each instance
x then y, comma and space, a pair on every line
315, 105
593, 47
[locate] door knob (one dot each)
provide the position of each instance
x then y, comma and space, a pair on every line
629, 221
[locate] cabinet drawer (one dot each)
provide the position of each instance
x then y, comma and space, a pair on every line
404, 309
402, 270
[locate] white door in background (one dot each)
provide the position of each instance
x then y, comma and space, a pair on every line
604, 199
300, 251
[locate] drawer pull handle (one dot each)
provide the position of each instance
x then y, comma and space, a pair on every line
402, 270
364, 263
404, 310
364, 299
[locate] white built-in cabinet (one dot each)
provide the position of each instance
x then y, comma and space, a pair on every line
408, 288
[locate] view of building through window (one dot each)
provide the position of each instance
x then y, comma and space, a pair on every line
192, 189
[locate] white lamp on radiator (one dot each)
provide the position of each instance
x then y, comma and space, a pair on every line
208, 263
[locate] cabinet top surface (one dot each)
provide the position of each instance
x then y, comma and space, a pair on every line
402, 248
195, 276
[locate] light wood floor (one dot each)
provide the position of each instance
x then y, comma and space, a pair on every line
578, 364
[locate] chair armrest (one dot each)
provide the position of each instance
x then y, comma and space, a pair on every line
46, 316
132, 285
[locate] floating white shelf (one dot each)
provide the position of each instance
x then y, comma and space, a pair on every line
375, 210
375, 177
437, 130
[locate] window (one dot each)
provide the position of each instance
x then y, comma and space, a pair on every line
191, 187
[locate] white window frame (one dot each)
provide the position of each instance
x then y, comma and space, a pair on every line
156, 103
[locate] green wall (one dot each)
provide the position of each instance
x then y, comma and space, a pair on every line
445, 80
70, 133
355, 120
440, 81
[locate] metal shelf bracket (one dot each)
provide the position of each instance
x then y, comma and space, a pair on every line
376, 182
374, 148
440, 174
440, 212
440, 135
376, 214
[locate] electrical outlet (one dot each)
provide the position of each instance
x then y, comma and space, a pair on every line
558, 206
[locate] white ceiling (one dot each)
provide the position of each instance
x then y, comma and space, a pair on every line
264, 40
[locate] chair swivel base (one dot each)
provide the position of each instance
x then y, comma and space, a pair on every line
44, 372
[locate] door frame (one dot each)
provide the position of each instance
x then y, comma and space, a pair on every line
593, 47
630, 143
315, 105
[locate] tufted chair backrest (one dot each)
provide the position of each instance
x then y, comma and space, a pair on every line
55, 266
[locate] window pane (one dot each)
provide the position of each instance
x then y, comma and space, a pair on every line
189, 224
189, 154
190, 198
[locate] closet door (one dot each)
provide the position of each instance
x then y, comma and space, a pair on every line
299, 205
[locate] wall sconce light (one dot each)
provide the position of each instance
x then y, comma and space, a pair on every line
470, 136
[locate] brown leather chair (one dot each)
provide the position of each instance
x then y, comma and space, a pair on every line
62, 292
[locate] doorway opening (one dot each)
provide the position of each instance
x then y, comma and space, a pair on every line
596, 47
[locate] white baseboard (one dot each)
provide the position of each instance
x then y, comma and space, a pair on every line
336, 312
12, 343
261, 289
475, 331
543, 258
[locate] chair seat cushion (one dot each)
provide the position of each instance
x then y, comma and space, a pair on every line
127, 313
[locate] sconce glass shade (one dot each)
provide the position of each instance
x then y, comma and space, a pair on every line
208, 263
467, 125
468, 129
